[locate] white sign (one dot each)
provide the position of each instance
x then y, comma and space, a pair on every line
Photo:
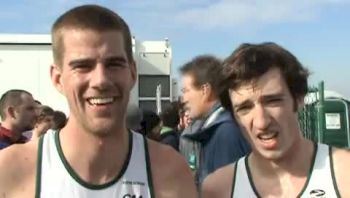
333, 121
158, 98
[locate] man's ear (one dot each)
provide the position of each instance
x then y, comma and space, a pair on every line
133, 71
300, 103
11, 111
206, 90
56, 77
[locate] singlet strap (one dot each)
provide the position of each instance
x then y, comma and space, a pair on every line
312, 165
149, 171
330, 153
250, 177
38, 167
234, 178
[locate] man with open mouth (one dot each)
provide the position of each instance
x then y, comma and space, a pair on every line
265, 85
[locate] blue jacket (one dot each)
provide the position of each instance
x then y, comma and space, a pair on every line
221, 142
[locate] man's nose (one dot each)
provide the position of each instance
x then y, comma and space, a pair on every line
100, 78
262, 118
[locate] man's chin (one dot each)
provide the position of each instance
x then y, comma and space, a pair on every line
28, 128
103, 130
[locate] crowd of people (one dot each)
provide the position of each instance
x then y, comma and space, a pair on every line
233, 133
24, 118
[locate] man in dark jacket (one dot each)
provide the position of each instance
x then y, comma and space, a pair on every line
218, 135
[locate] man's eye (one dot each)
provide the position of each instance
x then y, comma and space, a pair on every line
274, 100
116, 64
242, 109
81, 66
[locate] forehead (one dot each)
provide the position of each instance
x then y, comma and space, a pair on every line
187, 80
270, 83
27, 100
85, 43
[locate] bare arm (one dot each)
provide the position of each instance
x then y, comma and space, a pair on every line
219, 183
341, 163
184, 183
17, 171
171, 175
8, 175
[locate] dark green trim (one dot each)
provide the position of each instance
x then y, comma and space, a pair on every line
250, 177
310, 170
149, 171
38, 167
76, 177
330, 152
234, 178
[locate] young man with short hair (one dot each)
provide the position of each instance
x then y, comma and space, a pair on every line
266, 86
94, 155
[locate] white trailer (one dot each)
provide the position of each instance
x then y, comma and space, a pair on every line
25, 61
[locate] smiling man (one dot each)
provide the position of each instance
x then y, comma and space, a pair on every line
94, 155
266, 86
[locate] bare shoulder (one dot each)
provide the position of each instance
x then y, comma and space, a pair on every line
170, 172
341, 164
219, 183
17, 168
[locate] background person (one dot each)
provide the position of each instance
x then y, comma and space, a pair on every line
217, 134
59, 120
44, 121
18, 114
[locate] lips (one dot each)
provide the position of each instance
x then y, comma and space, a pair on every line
268, 135
100, 100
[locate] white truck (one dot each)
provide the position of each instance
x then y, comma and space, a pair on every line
25, 61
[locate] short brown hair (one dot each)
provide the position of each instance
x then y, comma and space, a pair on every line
250, 61
88, 17
204, 69
11, 97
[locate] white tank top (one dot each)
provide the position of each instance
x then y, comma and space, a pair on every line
320, 181
56, 178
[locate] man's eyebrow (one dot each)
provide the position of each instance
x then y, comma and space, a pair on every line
245, 102
79, 61
272, 96
116, 58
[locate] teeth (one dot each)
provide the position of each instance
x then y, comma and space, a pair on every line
100, 101
267, 136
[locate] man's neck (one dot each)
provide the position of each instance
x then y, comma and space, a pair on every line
209, 108
285, 177
95, 159
297, 160
16, 134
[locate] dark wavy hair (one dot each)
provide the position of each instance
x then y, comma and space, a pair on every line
250, 61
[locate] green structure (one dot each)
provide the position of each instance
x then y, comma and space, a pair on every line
326, 119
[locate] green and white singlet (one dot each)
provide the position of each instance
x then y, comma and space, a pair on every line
320, 182
57, 179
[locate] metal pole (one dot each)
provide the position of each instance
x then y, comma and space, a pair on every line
320, 115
